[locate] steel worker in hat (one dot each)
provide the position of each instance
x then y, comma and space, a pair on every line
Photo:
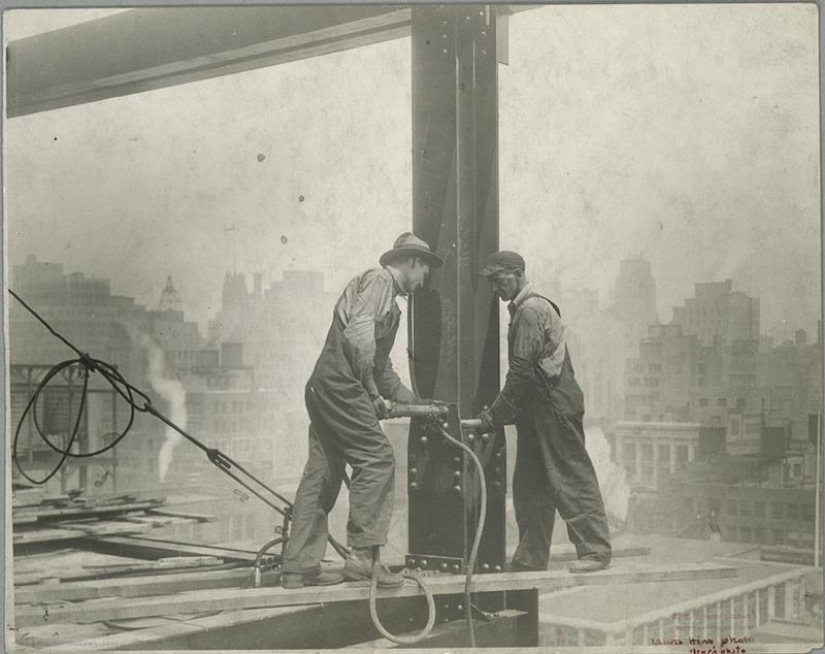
553, 470
345, 397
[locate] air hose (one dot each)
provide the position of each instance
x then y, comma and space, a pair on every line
468, 580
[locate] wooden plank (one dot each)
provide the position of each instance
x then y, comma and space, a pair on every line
154, 548
221, 600
618, 553
199, 517
138, 586
109, 509
144, 638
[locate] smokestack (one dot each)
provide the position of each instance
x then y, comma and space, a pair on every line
172, 391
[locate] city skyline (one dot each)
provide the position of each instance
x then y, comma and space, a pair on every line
695, 147
156, 294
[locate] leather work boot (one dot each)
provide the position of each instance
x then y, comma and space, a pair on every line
293, 580
519, 566
588, 565
358, 569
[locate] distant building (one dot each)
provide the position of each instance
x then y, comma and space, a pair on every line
680, 616
635, 293
718, 310
651, 451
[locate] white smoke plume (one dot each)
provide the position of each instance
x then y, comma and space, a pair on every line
173, 392
614, 488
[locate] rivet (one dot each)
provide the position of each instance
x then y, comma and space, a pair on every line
497, 568
471, 437
445, 52
485, 437
443, 567
423, 563
457, 568
423, 440
460, 607
457, 474
457, 460
445, 424
413, 486
456, 489
411, 562
413, 471
485, 567
499, 454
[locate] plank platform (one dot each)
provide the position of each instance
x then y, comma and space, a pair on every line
254, 598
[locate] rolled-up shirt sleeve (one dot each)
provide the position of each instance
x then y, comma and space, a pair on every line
521, 375
373, 299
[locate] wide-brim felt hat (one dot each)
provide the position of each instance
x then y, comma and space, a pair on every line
408, 244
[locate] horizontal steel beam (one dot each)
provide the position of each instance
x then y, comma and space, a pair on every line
152, 48
220, 600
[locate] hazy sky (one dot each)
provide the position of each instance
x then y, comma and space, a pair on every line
687, 134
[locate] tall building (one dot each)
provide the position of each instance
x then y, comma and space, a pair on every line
634, 296
719, 311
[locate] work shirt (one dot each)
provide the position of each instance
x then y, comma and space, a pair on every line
368, 313
537, 348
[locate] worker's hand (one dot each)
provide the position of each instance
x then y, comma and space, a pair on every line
381, 408
488, 425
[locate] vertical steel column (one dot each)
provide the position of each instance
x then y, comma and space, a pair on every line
454, 322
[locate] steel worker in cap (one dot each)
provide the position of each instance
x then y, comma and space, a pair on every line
345, 397
553, 470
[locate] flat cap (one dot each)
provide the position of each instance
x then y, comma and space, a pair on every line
503, 260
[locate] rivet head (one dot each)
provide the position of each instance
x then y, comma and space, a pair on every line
412, 563
471, 437
413, 471
485, 567
457, 460
460, 607
456, 489
423, 563
423, 440
485, 437
456, 568
457, 474
414, 486
497, 568
443, 567
445, 424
